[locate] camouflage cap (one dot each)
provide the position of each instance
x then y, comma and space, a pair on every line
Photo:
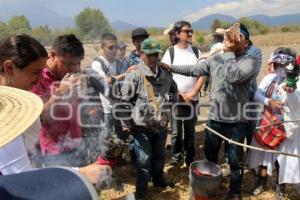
150, 46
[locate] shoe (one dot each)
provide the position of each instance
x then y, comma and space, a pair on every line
258, 190
225, 169
260, 186
231, 196
174, 163
140, 197
279, 191
163, 184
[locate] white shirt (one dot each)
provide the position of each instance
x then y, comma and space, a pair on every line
183, 57
106, 103
216, 48
14, 158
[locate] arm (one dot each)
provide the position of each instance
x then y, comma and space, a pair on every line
262, 88
127, 94
122, 76
239, 72
199, 69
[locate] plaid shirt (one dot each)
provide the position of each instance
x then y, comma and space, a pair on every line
133, 58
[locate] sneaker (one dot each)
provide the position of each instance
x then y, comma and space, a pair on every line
260, 186
225, 169
258, 190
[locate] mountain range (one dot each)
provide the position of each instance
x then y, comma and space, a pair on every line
42, 16
205, 22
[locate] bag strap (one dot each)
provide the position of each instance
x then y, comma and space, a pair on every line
103, 65
172, 54
271, 88
118, 66
151, 94
196, 51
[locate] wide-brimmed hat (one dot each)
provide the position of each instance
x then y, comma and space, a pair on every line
218, 31
169, 29
18, 110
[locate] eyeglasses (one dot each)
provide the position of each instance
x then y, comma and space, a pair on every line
187, 31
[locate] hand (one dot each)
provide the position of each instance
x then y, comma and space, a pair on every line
128, 131
232, 38
188, 97
132, 68
67, 83
165, 66
288, 89
95, 173
275, 104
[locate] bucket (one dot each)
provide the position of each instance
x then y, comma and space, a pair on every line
205, 180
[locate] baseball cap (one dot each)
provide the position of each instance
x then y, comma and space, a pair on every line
121, 45
138, 32
150, 46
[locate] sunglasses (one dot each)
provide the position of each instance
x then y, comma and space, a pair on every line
187, 31
112, 47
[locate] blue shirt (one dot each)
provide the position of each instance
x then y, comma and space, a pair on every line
255, 52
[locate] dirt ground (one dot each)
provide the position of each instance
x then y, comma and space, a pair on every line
123, 187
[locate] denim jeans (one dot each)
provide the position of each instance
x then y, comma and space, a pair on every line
188, 128
212, 143
149, 149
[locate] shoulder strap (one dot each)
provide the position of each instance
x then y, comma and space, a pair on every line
196, 51
171, 52
150, 91
104, 67
271, 88
118, 66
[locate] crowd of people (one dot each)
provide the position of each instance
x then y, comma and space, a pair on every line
132, 100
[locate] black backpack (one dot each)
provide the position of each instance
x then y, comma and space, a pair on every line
171, 51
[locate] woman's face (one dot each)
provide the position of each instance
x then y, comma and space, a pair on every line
27, 77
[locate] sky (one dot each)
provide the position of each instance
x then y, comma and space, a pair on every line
159, 12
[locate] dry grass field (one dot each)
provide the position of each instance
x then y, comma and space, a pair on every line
125, 176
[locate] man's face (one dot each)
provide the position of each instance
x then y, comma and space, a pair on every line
109, 48
65, 64
150, 60
185, 34
121, 53
137, 41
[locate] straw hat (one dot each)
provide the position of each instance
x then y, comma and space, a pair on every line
169, 29
18, 110
219, 31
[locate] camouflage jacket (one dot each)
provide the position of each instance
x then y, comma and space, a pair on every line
134, 92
